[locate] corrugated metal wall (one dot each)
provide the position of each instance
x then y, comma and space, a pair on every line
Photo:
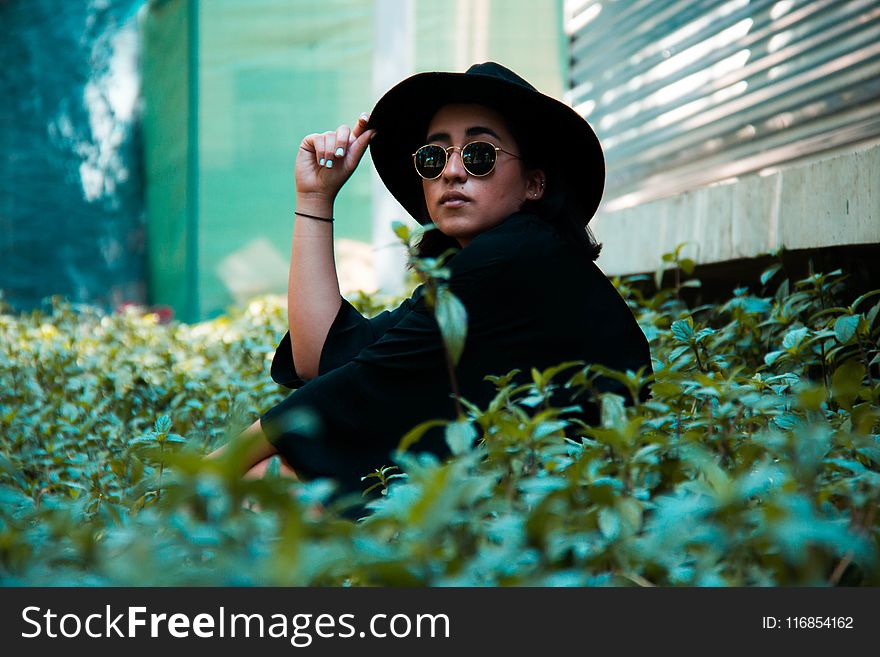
683, 93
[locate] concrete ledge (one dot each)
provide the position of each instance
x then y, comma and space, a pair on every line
829, 202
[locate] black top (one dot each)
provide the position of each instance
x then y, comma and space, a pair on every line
532, 301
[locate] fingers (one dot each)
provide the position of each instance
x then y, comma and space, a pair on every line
343, 133
323, 145
332, 148
329, 147
318, 145
359, 126
359, 145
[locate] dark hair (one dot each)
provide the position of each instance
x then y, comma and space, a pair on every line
433, 243
556, 206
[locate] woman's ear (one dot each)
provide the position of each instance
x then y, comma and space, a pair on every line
535, 183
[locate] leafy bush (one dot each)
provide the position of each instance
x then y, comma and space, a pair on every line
756, 461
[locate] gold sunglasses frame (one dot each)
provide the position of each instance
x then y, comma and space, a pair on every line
446, 150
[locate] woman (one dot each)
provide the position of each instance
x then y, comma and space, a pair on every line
510, 177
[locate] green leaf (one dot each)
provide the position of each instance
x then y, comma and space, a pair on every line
452, 320
548, 427
665, 389
415, 434
658, 277
772, 356
630, 511
863, 297
783, 291
811, 397
794, 337
768, 273
503, 380
613, 412
756, 305
845, 327
609, 523
402, 231
460, 436
10, 470
677, 352
547, 375
872, 315
702, 334
683, 329
163, 424
846, 382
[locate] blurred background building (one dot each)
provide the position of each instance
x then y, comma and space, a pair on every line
72, 218
232, 87
148, 145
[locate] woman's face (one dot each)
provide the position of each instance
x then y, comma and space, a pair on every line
461, 205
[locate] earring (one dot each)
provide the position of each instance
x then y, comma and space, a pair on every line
535, 194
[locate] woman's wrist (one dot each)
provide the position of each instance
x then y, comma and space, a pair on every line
318, 205
328, 220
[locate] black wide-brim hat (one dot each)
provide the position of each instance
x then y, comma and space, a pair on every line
556, 137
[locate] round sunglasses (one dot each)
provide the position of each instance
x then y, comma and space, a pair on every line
477, 157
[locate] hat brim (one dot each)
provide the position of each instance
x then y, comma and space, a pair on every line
401, 119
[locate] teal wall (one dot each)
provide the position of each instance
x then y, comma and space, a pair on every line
269, 72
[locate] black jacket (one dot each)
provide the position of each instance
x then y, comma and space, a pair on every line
532, 301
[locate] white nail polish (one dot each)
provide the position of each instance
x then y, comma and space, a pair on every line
329, 164
340, 152
321, 162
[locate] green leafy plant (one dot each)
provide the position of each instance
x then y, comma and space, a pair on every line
449, 311
755, 461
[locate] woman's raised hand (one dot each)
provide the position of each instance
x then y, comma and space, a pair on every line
325, 161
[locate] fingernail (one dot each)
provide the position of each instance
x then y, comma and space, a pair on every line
365, 117
329, 164
321, 162
340, 151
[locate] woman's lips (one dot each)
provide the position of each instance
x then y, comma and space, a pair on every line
454, 200
455, 203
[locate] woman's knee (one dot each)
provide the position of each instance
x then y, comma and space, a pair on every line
261, 469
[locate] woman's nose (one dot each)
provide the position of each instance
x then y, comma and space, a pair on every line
454, 167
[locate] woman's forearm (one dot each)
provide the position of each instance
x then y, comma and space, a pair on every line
313, 296
324, 162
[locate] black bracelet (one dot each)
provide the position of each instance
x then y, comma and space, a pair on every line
311, 216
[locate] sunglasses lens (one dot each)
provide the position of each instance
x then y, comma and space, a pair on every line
478, 158
430, 161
